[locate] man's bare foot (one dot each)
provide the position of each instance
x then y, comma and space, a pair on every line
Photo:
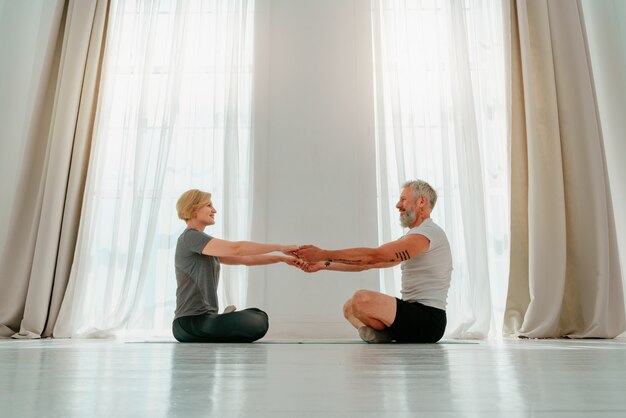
370, 335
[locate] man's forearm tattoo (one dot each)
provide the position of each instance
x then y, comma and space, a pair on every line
403, 255
345, 261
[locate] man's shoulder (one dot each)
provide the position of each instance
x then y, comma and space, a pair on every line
427, 225
430, 230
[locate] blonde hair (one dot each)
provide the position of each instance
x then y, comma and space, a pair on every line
190, 201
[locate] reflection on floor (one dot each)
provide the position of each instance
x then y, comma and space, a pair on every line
83, 378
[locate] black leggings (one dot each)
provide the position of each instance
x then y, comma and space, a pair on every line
236, 327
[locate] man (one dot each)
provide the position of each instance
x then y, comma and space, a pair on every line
426, 261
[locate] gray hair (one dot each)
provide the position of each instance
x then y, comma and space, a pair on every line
421, 188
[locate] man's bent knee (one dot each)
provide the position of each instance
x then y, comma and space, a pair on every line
361, 301
347, 309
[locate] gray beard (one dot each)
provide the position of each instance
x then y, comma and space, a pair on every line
407, 218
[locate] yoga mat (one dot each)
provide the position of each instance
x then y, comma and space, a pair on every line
350, 342
300, 342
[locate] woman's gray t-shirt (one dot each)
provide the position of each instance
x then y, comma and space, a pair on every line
197, 275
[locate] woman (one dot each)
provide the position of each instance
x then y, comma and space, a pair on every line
198, 258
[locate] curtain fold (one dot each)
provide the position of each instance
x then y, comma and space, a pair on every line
565, 277
440, 116
173, 114
42, 231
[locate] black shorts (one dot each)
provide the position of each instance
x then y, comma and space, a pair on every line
418, 323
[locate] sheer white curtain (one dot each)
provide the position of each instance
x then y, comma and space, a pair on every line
441, 117
174, 113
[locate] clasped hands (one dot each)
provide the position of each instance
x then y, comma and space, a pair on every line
308, 258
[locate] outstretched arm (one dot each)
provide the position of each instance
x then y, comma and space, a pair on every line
329, 265
393, 252
261, 260
223, 248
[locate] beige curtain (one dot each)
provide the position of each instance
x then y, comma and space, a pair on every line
42, 231
565, 278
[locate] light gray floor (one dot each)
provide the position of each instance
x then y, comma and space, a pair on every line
82, 378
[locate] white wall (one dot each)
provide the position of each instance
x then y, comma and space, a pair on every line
315, 171
28, 33
605, 21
